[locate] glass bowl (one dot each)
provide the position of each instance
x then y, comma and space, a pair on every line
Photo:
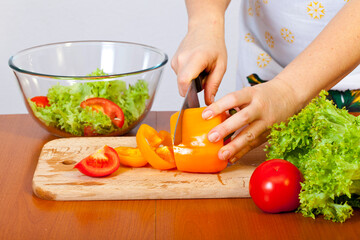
89, 88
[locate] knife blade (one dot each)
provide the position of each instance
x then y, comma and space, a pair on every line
191, 100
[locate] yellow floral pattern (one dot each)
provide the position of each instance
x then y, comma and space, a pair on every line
250, 11
263, 60
249, 37
270, 32
269, 40
257, 7
287, 35
315, 10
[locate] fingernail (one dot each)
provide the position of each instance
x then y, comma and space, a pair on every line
212, 98
214, 137
207, 114
225, 155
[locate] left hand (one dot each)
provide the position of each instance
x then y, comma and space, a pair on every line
259, 107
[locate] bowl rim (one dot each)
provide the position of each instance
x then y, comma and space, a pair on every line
86, 77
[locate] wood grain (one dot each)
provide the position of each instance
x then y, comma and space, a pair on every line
56, 179
25, 216
241, 219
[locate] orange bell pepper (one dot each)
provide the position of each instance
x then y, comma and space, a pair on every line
131, 157
196, 153
155, 147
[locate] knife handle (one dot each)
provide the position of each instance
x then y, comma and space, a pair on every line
200, 81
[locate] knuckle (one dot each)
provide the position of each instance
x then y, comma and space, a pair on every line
181, 59
232, 98
233, 148
222, 66
224, 129
183, 78
245, 116
249, 137
241, 142
212, 86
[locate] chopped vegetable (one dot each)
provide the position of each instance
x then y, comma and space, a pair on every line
66, 114
131, 156
113, 111
196, 153
149, 140
324, 143
89, 131
101, 163
41, 101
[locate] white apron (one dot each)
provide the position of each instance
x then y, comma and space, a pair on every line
274, 32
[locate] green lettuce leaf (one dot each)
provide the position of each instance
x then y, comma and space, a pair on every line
324, 143
66, 114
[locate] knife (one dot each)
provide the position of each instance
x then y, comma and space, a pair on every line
191, 100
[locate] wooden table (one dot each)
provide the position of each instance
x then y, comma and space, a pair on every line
24, 216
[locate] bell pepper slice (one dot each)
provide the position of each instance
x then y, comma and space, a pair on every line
111, 109
101, 163
155, 147
131, 156
196, 153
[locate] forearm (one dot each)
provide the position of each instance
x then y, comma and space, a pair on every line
330, 57
206, 13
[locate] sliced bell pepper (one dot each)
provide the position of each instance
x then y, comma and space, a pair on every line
196, 153
131, 157
165, 150
156, 147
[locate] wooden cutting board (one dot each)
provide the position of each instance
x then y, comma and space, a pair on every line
56, 179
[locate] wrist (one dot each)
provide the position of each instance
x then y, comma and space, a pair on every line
215, 22
300, 95
207, 25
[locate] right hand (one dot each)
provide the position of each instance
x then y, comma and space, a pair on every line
202, 49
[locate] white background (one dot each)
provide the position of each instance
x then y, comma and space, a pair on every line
159, 23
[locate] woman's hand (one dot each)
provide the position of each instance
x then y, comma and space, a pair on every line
203, 48
259, 107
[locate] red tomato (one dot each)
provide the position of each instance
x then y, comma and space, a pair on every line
41, 101
275, 186
89, 131
108, 107
102, 163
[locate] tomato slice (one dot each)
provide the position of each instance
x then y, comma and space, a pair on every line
131, 157
89, 131
157, 153
111, 109
102, 163
41, 101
